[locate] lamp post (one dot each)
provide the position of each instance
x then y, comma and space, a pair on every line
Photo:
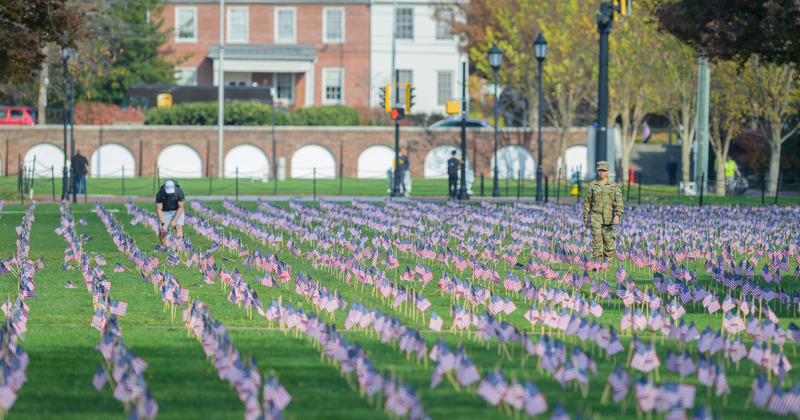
65, 54
540, 51
495, 61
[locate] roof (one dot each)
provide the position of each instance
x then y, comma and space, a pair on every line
264, 52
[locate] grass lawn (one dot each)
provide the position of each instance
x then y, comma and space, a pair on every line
184, 382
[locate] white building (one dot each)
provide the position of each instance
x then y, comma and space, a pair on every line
426, 56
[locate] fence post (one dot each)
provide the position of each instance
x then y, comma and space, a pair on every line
123, 180
777, 187
763, 185
154, 179
518, 185
53, 181
481, 185
210, 179
237, 184
33, 171
19, 177
641, 178
522, 182
314, 184
578, 199
158, 172
546, 191
341, 169
507, 176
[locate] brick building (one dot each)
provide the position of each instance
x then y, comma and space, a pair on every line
315, 53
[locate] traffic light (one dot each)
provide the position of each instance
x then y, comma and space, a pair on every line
387, 98
409, 97
398, 114
382, 98
622, 9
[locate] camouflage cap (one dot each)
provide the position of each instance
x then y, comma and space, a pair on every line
602, 165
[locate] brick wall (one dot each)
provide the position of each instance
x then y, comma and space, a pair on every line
345, 143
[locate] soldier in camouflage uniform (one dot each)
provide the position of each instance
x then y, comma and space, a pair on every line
602, 209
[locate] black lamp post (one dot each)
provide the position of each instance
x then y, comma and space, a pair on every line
65, 54
540, 51
495, 61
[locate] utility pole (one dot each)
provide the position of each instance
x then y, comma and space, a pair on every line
701, 163
462, 192
221, 89
605, 23
396, 184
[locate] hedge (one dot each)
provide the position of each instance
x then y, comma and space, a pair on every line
251, 113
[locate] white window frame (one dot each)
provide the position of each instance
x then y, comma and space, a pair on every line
285, 101
178, 10
443, 28
183, 78
229, 25
325, 39
440, 100
326, 82
279, 40
397, 28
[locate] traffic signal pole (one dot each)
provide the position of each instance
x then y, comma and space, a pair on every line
605, 20
396, 184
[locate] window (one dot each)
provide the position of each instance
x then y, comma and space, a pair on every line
442, 26
285, 24
237, 24
185, 24
284, 85
404, 76
333, 25
404, 23
444, 87
17, 113
333, 86
186, 76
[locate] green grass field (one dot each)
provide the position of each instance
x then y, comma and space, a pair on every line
185, 384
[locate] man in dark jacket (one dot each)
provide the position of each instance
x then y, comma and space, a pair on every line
453, 165
169, 207
79, 169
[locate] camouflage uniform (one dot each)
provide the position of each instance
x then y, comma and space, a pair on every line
602, 202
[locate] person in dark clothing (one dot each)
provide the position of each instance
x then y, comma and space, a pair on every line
404, 176
453, 165
169, 208
79, 168
672, 169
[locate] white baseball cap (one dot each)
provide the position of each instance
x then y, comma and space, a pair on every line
169, 186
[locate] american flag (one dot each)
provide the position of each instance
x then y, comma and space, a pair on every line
493, 387
435, 322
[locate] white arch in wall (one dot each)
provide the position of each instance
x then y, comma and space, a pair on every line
576, 157
251, 161
109, 160
513, 159
306, 158
374, 161
436, 161
47, 156
180, 161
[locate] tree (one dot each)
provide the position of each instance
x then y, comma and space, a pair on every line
26, 27
634, 60
735, 29
774, 97
131, 29
727, 115
570, 62
677, 97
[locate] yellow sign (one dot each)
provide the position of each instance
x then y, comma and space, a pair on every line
453, 107
164, 100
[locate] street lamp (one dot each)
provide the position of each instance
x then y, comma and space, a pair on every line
65, 55
540, 51
495, 61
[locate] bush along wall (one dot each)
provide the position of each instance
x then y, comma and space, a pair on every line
251, 113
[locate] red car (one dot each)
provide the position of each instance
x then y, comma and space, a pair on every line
17, 115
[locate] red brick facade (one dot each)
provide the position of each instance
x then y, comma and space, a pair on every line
345, 143
353, 55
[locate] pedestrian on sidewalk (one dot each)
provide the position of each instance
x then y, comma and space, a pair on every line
453, 165
80, 167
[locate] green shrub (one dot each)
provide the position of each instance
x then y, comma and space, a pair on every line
205, 113
335, 115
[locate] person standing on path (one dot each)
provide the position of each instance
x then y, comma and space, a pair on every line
672, 170
79, 169
169, 208
602, 209
453, 165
